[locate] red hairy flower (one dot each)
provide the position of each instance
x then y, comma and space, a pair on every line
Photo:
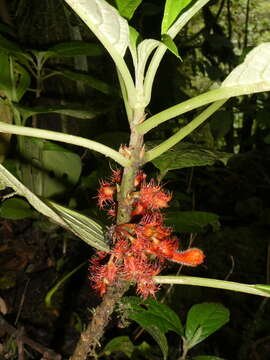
116, 176
153, 196
141, 247
105, 194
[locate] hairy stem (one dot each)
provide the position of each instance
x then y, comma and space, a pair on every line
90, 338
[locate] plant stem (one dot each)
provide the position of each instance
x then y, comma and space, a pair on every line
66, 138
213, 283
183, 132
222, 93
90, 338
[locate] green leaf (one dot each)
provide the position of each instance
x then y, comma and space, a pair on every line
172, 9
11, 48
203, 320
119, 344
207, 357
63, 169
254, 69
48, 169
160, 338
14, 79
105, 22
152, 313
192, 221
95, 83
10, 181
84, 227
16, 209
23, 81
221, 123
168, 41
185, 155
68, 109
74, 48
127, 7
5, 79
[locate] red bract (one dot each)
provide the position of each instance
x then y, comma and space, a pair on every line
190, 257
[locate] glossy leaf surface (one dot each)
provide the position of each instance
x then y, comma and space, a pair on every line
150, 312
171, 12
192, 221
127, 7
203, 320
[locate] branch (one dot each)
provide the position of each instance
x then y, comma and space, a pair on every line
213, 283
66, 138
183, 132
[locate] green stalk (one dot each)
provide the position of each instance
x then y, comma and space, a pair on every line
129, 111
222, 93
90, 338
212, 283
183, 132
65, 138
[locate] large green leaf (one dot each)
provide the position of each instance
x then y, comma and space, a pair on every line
68, 109
84, 227
74, 48
192, 221
11, 48
48, 169
127, 7
105, 22
119, 344
95, 83
8, 180
254, 70
16, 209
203, 320
14, 79
171, 12
160, 338
152, 313
185, 155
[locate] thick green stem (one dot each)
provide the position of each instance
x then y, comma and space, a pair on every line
183, 132
66, 138
213, 283
222, 93
136, 156
90, 339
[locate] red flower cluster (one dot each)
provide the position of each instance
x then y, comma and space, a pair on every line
140, 247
